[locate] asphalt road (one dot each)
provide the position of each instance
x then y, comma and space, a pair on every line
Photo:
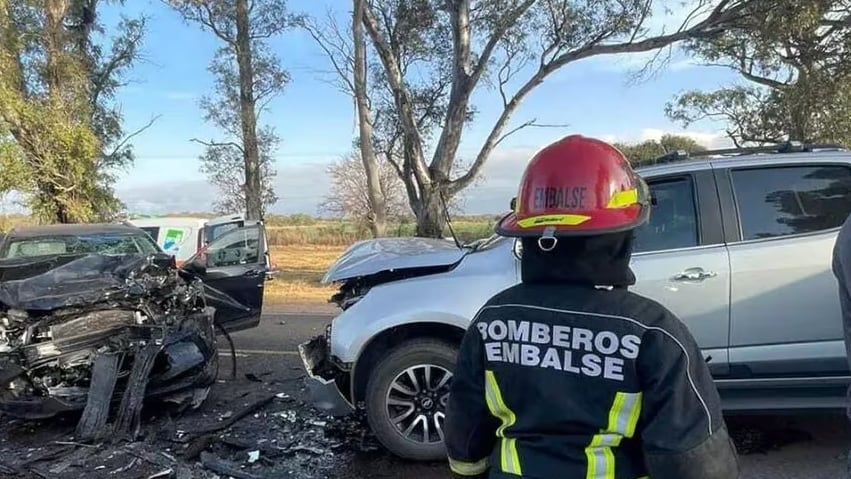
775, 447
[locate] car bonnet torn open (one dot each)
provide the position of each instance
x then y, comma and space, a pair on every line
80, 332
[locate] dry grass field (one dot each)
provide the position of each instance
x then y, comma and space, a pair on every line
300, 267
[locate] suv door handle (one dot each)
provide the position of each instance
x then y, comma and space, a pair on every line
694, 274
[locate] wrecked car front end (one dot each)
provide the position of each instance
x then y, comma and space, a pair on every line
81, 332
364, 267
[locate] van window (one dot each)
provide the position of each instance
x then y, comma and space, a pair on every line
788, 200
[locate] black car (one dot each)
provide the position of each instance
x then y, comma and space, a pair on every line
93, 313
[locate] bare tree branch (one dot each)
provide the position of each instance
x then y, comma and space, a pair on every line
118, 60
210, 22
337, 51
528, 124
509, 20
645, 14
129, 137
219, 144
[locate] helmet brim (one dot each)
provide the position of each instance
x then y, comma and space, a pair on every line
509, 225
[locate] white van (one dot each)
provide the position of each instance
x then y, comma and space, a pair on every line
185, 236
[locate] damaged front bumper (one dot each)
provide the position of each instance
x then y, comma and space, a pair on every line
44, 379
324, 378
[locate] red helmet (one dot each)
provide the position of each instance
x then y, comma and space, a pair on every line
577, 186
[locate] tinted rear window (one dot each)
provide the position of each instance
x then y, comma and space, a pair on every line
781, 201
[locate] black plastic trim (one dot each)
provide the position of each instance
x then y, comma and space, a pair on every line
727, 201
709, 208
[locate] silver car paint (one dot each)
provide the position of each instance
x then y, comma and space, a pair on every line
451, 298
737, 315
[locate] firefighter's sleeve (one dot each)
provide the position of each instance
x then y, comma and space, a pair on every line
470, 429
682, 429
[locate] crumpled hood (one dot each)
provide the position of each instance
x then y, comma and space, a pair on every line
388, 254
53, 282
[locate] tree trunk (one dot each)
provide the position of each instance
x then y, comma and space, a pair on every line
375, 196
430, 215
55, 11
248, 114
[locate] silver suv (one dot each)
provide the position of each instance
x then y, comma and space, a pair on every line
738, 246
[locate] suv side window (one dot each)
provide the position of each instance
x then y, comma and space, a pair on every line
673, 218
789, 200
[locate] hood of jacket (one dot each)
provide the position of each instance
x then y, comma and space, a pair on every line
588, 261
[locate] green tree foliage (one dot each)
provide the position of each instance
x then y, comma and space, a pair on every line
795, 61
648, 152
61, 135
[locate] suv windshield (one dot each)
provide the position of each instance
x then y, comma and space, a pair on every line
82, 244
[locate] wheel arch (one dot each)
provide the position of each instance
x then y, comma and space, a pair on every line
382, 343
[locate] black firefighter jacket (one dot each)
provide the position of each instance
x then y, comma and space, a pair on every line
560, 381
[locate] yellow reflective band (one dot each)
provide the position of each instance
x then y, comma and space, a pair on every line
553, 220
623, 418
622, 199
509, 459
468, 468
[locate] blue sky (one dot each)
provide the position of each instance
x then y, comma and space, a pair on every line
316, 122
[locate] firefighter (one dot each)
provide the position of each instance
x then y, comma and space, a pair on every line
568, 374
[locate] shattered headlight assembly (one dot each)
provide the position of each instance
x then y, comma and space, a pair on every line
349, 294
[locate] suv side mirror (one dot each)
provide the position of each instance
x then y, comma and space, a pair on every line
517, 249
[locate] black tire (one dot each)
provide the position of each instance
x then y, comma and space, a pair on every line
418, 352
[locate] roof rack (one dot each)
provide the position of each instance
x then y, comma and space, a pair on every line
786, 147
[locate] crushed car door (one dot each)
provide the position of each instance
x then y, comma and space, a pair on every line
234, 270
